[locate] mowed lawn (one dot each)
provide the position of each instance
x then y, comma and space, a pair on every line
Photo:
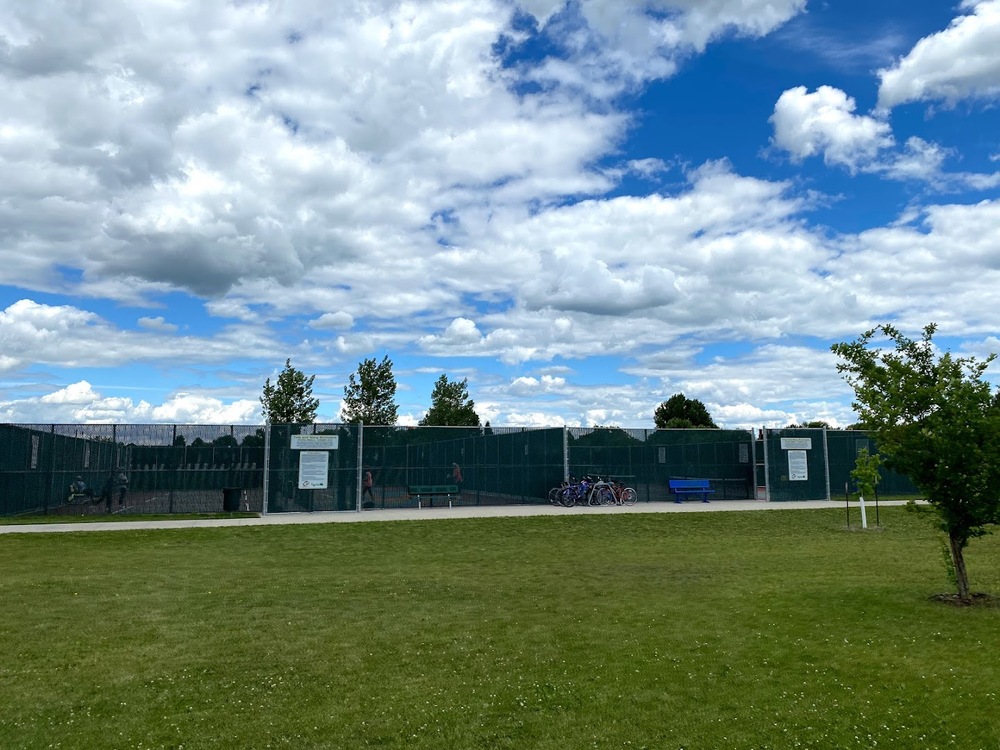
764, 629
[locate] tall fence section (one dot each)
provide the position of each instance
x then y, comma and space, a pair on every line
164, 469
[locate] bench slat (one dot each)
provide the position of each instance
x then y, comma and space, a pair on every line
432, 489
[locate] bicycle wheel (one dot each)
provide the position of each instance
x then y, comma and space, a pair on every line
554, 495
567, 498
629, 496
604, 496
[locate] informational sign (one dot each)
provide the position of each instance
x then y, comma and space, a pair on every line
798, 466
796, 444
315, 442
314, 467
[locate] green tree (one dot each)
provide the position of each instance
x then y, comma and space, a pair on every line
681, 411
934, 419
290, 399
451, 405
865, 473
370, 397
256, 440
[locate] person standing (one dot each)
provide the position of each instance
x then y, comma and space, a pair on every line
367, 482
456, 477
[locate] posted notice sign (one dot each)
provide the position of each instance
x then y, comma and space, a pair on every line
796, 444
798, 466
315, 442
314, 467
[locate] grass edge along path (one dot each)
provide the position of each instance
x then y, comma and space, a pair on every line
708, 630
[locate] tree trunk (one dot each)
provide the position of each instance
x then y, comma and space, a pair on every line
958, 560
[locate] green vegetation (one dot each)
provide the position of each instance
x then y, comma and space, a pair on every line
451, 405
865, 474
290, 399
370, 394
765, 629
23, 520
935, 419
679, 411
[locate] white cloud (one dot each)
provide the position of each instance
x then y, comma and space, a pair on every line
81, 403
75, 393
337, 321
617, 44
195, 409
157, 324
823, 123
65, 336
961, 62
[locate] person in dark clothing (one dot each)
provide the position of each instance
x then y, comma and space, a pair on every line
367, 482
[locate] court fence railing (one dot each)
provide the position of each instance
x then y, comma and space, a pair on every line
81, 469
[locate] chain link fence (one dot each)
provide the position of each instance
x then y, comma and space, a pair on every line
163, 469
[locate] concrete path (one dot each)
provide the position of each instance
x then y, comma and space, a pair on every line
427, 514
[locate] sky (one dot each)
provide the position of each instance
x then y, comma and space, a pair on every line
581, 208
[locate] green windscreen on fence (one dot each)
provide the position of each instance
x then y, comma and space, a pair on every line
132, 469
648, 459
843, 451
796, 464
489, 466
295, 452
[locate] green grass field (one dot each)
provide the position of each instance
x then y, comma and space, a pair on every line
764, 629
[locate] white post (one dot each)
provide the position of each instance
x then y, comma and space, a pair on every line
864, 518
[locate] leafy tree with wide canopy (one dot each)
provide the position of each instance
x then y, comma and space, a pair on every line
370, 397
681, 411
290, 399
934, 419
451, 405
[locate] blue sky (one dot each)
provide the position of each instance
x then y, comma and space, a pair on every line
581, 207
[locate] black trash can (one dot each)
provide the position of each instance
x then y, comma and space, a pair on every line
231, 499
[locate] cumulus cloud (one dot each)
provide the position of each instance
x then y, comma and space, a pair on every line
612, 45
157, 324
332, 321
32, 333
80, 403
393, 182
961, 62
823, 123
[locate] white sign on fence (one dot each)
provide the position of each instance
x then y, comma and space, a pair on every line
315, 442
798, 466
796, 444
313, 469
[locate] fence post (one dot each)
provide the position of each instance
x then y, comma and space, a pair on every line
361, 447
826, 463
767, 467
267, 466
565, 453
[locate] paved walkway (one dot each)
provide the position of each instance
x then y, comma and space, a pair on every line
425, 514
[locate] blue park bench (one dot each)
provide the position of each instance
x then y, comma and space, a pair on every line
430, 491
681, 487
